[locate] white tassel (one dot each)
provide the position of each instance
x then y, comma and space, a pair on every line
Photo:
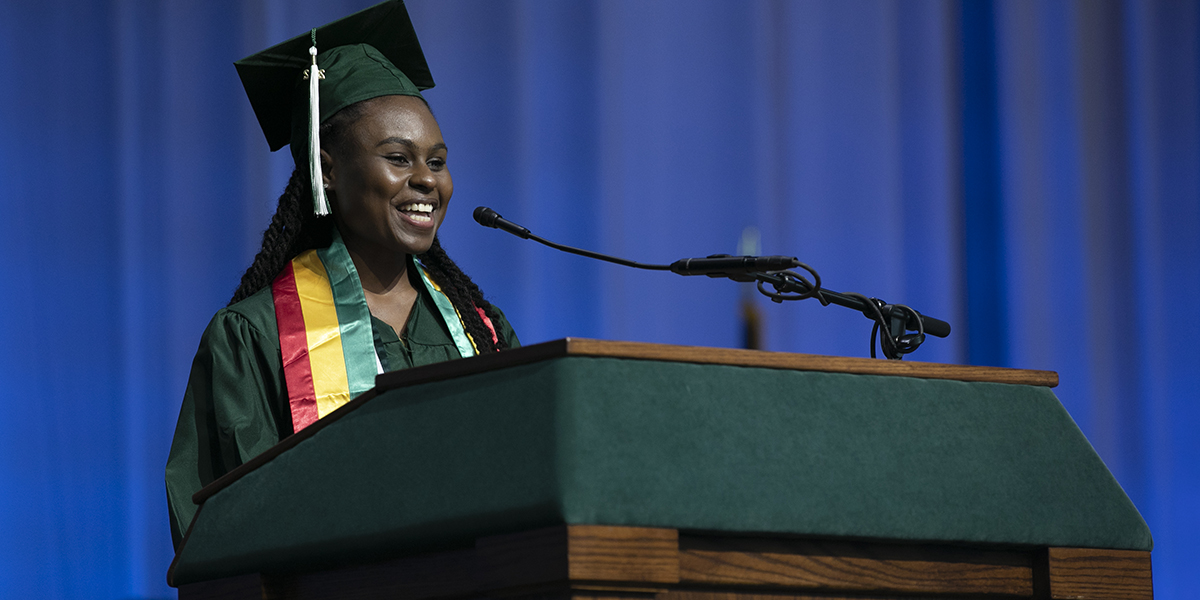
320, 202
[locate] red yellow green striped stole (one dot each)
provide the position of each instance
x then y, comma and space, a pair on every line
325, 336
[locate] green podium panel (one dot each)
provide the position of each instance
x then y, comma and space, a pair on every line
577, 439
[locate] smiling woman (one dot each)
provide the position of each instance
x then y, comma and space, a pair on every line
389, 186
344, 288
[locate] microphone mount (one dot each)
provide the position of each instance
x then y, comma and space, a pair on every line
892, 322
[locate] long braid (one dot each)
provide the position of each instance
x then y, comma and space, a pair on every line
295, 228
276, 243
292, 231
465, 296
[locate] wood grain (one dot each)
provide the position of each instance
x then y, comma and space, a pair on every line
709, 356
854, 567
625, 554
1091, 574
578, 593
594, 562
807, 362
767, 595
631, 556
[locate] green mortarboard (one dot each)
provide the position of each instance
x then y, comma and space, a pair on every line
368, 54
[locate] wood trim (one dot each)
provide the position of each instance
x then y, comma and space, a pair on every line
807, 362
710, 356
784, 595
624, 554
825, 566
598, 562
781, 595
1092, 574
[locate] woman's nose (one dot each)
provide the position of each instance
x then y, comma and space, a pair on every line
423, 178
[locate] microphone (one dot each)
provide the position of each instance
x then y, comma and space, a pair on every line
718, 265
490, 218
935, 327
774, 270
931, 326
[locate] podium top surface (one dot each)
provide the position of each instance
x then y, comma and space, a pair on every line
700, 439
716, 356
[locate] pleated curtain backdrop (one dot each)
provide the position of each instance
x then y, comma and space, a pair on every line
1028, 171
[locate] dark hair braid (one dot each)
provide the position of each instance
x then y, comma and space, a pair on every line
292, 231
465, 296
295, 228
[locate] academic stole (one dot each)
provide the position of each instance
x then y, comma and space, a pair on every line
325, 335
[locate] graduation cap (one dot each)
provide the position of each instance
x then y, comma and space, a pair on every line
368, 54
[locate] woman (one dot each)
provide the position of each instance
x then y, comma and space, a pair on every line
332, 299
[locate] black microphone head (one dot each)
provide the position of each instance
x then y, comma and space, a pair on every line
486, 216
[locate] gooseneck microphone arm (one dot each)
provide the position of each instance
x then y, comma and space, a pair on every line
891, 322
490, 218
717, 265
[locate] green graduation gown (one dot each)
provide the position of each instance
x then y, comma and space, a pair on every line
236, 402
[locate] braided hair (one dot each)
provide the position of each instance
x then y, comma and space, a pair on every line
463, 293
295, 228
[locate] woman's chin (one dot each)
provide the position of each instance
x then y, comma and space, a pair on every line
415, 244
416, 235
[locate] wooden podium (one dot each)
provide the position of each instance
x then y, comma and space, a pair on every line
588, 469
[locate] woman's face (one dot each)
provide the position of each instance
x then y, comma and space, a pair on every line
388, 177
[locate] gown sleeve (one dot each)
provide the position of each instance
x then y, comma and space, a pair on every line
231, 410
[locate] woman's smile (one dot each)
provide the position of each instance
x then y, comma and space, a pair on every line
418, 212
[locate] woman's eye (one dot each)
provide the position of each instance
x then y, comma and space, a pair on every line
437, 164
398, 159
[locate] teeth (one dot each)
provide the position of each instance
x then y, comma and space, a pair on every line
421, 218
417, 207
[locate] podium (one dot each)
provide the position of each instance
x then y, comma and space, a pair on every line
589, 469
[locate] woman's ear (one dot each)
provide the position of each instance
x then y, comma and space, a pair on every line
327, 174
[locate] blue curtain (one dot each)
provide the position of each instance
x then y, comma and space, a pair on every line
1028, 171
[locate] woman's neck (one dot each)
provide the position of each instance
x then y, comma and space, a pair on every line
380, 275
386, 285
